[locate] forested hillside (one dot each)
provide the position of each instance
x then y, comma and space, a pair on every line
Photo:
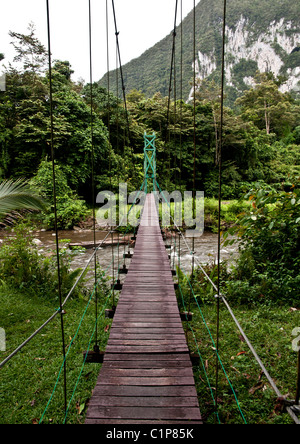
260, 35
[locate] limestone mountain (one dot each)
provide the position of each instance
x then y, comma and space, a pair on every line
261, 35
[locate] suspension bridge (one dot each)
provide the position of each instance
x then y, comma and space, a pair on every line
146, 375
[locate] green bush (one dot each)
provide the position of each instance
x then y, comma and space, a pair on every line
270, 245
23, 268
70, 209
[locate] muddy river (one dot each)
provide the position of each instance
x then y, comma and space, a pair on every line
205, 248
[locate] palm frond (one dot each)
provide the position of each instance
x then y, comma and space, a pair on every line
16, 195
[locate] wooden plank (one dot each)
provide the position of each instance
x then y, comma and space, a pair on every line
134, 391
146, 336
156, 330
162, 305
146, 373
148, 382
147, 364
144, 401
164, 312
151, 413
135, 324
182, 422
154, 317
150, 349
144, 315
148, 341
181, 357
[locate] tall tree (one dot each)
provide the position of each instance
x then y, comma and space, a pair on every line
30, 52
266, 106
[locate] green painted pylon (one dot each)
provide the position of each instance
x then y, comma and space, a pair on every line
149, 160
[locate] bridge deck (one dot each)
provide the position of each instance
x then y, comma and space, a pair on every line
147, 374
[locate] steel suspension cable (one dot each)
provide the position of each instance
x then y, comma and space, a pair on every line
55, 199
108, 95
93, 166
172, 62
123, 89
170, 90
121, 68
219, 157
181, 93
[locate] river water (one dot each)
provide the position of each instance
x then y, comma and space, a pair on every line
110, 257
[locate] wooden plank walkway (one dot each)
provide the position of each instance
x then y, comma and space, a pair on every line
147, 375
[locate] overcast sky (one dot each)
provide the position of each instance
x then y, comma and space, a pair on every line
141, 24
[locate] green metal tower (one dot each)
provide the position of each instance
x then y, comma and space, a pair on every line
149, 160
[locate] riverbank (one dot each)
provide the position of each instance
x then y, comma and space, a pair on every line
205, 247
230, 210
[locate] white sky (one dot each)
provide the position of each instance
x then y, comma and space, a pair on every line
141, 24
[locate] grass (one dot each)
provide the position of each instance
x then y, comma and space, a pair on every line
28, 379
269, 329
229, 211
